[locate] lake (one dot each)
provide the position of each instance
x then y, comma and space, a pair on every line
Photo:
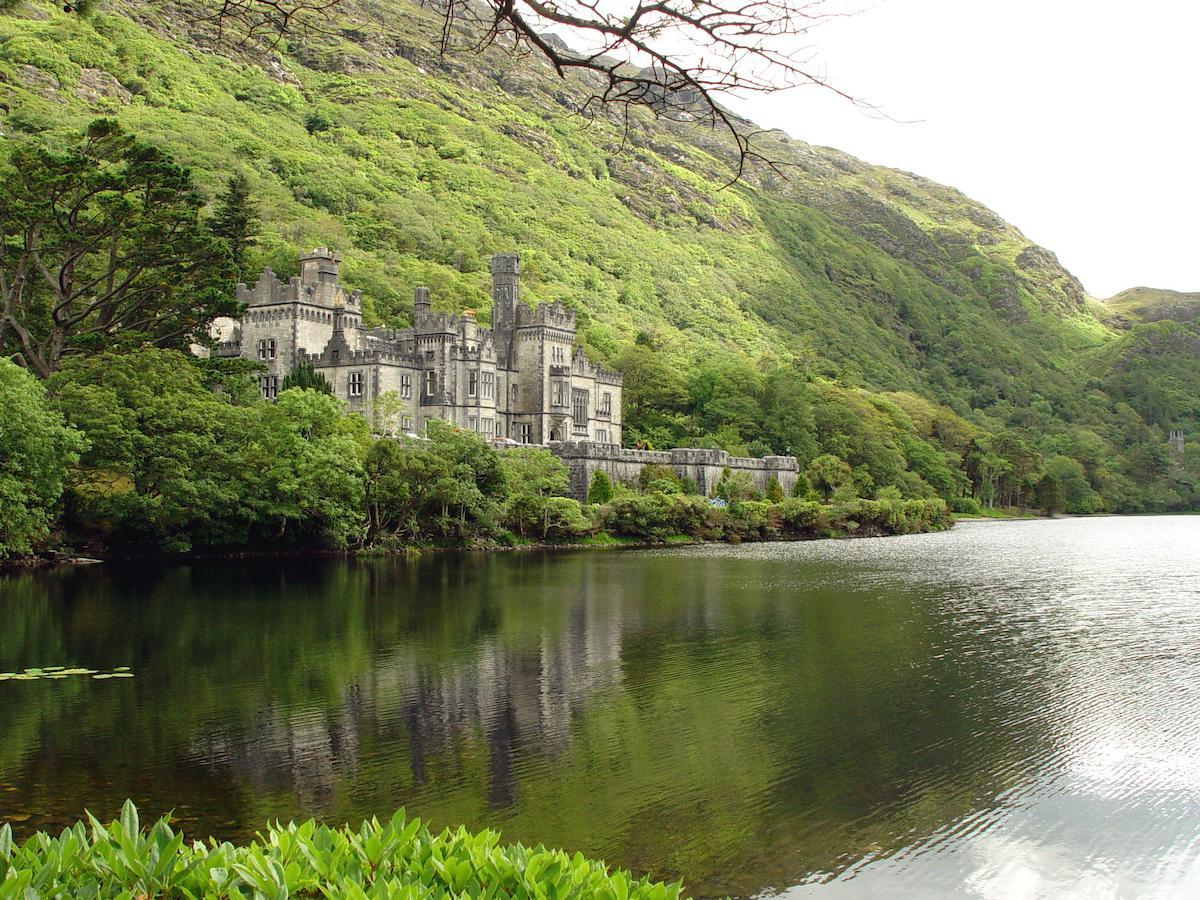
1006, 709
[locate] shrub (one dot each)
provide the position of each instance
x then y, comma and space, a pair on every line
774, 490
601, 489
967, 506
401, 857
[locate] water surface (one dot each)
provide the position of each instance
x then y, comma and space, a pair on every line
1003, 710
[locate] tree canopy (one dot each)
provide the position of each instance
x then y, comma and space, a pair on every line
102, 246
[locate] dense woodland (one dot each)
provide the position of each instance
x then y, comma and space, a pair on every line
914, 352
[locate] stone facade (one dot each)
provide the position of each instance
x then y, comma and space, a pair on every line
522, 379
704, 467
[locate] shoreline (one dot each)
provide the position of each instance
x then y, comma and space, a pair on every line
51, 561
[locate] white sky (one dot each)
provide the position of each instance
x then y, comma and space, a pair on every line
1076, 120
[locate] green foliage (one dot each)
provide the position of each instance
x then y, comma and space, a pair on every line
235, 220
774, 490
36, 452
601, 489
103, 247
397, 858
306, 378
172, 465
1049, 494
828, 474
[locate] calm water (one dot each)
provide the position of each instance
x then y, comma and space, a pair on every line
1007, 709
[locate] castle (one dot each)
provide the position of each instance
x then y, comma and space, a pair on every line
523, 379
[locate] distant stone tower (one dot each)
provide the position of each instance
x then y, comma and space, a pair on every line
1176, 442
506, 290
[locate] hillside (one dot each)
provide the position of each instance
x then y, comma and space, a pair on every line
899, 302
1143, 304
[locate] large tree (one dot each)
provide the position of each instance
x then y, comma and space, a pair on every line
102, 247
36, 452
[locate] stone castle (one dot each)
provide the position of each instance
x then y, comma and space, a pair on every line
523, 379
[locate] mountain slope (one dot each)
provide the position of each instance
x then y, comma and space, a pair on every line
1143, 304
359, 136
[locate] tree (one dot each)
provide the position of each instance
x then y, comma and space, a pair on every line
36, 451
828, 473
306, 378
774, 490
735, 487
601, 489
164, 465
102, 247
236, 222
1048, 495
532, 475
304, 470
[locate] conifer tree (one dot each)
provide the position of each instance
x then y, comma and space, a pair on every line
235, 220
305, 377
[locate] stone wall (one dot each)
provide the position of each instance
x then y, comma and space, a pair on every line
704, 467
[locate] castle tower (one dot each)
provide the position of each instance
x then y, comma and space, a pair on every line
319, 267
421, 305
506, 290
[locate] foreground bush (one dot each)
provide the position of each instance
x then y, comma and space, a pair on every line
400, 858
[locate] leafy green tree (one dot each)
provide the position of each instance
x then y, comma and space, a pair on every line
1077, 495
306, 378
163, 467
400, 475
827, 474
235, 220
102, 246
533, 475
305, 470
36, 452
601, 489
735, 487
1048, 495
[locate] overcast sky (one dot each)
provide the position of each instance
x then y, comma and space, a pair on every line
1076, 120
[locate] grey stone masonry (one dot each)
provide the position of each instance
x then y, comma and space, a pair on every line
523, 379
704, 467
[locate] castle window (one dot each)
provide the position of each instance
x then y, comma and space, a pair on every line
405, 387
489, 427
525, 430
430, 383
406, 424
270, 386
514, 394
602, 436
579, 409
606, 402
472, 384
355, 386
557, 396
266, 349
472, 423
489, 385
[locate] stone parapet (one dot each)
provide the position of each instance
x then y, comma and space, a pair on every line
702, 466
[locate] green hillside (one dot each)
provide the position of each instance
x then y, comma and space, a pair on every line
1143, 304
845, 308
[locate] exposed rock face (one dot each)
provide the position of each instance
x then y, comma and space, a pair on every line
96, 85
38, 81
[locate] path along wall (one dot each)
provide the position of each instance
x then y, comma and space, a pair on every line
704, 467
